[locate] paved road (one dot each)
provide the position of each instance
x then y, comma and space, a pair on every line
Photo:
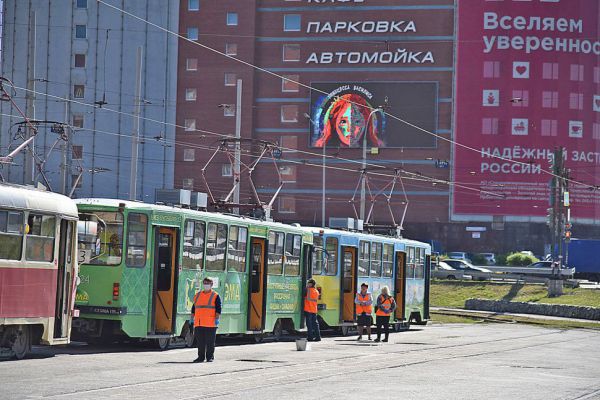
451, 361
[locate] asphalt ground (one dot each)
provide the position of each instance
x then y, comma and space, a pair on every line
446, 361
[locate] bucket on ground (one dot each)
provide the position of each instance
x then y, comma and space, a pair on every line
302, 345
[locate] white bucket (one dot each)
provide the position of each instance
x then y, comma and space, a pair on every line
302, 345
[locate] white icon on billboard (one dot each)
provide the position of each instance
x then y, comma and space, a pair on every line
491, 98
521, 70
596, 104
520, 126
575, 129
550, 1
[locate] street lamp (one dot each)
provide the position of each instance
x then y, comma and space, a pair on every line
322, 177
364, 161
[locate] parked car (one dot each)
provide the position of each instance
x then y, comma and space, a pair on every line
478, 273
445, 271
542, 264
490, 258
459, 255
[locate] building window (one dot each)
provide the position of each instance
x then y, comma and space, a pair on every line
229, 110
289, 144
520, 98
190, 94
193, 5
81, 4
289, 113
190, 124
550, 71
576, 72
489, 126
77, 183
192, 33
291, 22
550, 99
79, 60
77, 152
491, 69
189, 154
232, 19
230, 79
191, 64
231, 49
549, 127
80, 31
288, 173
188, 183
576, 101
596, 74
290, 83
226, 170
78, 121
287, 205
79, 91
291, 52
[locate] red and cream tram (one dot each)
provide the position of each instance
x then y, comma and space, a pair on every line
38, 268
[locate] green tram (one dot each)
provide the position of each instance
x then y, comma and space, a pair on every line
141, 265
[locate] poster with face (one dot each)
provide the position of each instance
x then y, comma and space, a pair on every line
347, 115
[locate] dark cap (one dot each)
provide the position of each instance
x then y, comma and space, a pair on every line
207, 280
364, 284
312, 281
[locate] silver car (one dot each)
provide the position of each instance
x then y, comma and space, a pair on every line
445, 271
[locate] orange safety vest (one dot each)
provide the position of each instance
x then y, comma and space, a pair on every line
310, 300
205, 312
386, 304
363, 309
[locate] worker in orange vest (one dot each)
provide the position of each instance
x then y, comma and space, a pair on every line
310, 311
206, 312
385, 307
363, 303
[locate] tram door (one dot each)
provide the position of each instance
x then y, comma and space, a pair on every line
164, 279
348, 283
63, 279
256, 301
400, 284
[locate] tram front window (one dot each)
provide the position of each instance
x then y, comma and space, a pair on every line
100, 238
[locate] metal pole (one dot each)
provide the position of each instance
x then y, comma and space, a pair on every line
237, 154
29, 156
364, 167
63, 165
323, 191
136, 126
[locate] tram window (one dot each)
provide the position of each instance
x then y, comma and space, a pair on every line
293, 244
388, 260
236, 251
11, 235
376, 259
40, 239
100, 238
193, 245
420, 264
363, 258
331, 253
348, 279
216, 246
137, 235
410, 264
275, 261
317, 256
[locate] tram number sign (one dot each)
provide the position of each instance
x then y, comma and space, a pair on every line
84, 256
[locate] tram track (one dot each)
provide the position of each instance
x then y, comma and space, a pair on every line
279, 373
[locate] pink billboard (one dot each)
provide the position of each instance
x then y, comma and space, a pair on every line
527, 81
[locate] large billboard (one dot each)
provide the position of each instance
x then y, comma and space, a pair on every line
527, 81
343, 113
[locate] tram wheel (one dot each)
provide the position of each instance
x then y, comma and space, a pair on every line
189, 338
345, 330
163, 343
258, 338
278, 330
22, 342
402, 326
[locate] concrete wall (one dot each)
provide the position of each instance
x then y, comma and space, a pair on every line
555, 310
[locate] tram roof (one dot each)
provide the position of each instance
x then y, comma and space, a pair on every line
29, 198
138, 205
366, 236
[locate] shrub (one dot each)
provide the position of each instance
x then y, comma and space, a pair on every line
478, 259
520, 259
501, 259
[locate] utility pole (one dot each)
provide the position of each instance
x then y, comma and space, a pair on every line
237, 153
29, 155
136, 126
64, 148
323, 197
